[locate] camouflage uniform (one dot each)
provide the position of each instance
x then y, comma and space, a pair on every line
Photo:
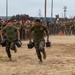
27, 28
68, 29
52, 28
73, 28
62, 27
11, 35
0, 31
39, 41
0, 34
57, 28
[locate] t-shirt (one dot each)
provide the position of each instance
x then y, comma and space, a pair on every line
38, 31
10, 33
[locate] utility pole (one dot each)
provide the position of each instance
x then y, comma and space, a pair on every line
45, 8
6, 9
51, 8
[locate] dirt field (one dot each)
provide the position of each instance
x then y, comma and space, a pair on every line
60, 59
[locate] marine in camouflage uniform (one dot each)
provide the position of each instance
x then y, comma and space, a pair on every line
38, 38
73, 28
27, 27
11, 34
68, 28
0, 30
57, 27
62, 28
0, 33
51, 31
21, 29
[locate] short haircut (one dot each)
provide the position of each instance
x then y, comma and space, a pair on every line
9, 21
37, 20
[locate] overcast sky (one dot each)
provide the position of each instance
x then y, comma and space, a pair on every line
31, 7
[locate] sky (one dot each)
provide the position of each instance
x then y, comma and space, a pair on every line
32, 7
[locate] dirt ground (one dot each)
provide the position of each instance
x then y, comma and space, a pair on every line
60, 59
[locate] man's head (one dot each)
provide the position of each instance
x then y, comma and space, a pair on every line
14, 22
9, 24
37, 22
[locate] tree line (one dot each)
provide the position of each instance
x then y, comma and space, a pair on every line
21, 17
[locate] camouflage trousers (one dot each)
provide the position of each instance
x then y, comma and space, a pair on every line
9, 46
39, 46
